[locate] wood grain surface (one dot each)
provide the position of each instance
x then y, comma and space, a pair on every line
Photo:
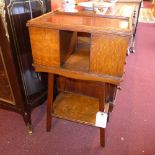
45, 46
108, 54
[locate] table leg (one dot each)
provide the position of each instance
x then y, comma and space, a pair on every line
102, 136
50, 100
101, 108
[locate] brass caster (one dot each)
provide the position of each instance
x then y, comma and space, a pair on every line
29, 128
119, 87
132, 50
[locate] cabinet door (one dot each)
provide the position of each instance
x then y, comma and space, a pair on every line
6, 94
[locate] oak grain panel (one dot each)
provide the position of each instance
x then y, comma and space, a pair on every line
76, 107
108, 54
45, 46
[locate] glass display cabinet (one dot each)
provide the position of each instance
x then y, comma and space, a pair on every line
21, 88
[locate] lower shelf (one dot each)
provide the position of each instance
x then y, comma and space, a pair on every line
77, 108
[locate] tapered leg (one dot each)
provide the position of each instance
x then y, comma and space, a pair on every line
50, 100
101, 108
102, 137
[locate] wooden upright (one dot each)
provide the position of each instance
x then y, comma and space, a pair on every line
81, 80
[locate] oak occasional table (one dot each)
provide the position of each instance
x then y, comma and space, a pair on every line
82, 80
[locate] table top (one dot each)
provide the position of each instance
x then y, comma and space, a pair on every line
116, 20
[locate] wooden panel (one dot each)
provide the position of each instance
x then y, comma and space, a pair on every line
87, 88
68, 42
45, 46
108, 54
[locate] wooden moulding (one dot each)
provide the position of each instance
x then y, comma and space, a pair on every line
83, 110
79, 75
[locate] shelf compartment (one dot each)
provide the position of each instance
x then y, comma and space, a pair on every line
77, 108
78, 61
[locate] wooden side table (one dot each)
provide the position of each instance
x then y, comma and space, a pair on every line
86, 79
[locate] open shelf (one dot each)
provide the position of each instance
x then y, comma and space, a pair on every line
79, 58
78, 61
77, 108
